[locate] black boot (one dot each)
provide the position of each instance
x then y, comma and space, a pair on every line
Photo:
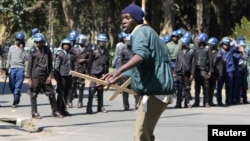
80, 104
54, 108
90, 100
33, 102
178, 97
125, 97
70, 98
100, 107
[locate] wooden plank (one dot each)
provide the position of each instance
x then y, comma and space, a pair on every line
118, 88
121, 89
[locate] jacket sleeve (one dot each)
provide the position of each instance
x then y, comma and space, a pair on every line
115, 56
30, 65
193, 64
210, 57
57, 68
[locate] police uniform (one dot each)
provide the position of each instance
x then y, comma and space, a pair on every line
173, 50
243, 78
227, 76
64, 62
99, 66
183, 70
203, 66
38, 70
73, 93
126, 55
217, 65
82, 66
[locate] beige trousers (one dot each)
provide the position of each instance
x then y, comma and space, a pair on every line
146, 121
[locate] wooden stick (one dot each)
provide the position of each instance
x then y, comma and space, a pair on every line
119, 89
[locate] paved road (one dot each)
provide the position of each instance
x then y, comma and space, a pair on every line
116, 125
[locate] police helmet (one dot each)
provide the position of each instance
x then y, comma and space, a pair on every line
212, 41
73, 35
202, 38
240, 38
185, 41
34, 31
81, 39
187, 34
181, 31
175, 34
122, 35
167, 38
66, 41
20, 36
39, 37
225, 40
241, 43
102, 37
128, 37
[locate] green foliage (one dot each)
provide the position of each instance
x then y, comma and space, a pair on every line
242, 29
12, 11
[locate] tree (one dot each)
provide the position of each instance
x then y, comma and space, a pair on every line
11, 17
242, 29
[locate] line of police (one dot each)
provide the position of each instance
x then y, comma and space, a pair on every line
73, 54
210, 67
76, 55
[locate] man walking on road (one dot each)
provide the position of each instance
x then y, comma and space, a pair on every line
150, 70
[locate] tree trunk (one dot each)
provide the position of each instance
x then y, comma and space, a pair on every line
3, 35
214, 19
68, 13
199, 13
168, 16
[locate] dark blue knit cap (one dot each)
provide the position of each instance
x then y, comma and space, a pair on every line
135, 11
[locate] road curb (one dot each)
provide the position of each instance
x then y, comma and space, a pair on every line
24, 123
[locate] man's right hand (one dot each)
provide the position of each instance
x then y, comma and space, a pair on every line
30, 83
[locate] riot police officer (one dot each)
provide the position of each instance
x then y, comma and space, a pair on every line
39, 73
184, 72
217, 65
75, 50
64, 62
228, 49
173, 47
82, 61
116, 63
203, 69
99, 66
126, 55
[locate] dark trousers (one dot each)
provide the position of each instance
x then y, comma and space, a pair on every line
201, 80
92, 90
227, 78
236, 89
183, 89
212, 87
64, 89
243, 85
38, 84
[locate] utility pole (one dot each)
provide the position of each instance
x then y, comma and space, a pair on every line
143, 6
51, 17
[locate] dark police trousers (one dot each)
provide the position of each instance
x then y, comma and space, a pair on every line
40, 83
201, 80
